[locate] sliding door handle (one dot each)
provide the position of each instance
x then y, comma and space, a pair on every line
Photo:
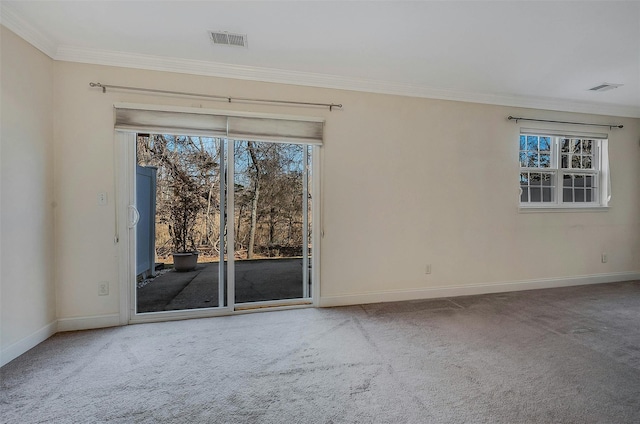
134, 216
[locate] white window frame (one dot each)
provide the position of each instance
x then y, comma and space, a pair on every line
601, 192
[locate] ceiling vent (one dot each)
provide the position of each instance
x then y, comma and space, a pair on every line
228, 39
605, 86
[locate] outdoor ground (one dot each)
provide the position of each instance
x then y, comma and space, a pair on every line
255, 280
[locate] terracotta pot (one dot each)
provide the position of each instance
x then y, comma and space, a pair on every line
186, 261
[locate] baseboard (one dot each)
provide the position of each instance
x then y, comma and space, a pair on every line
16, 349
453, 291
88, 323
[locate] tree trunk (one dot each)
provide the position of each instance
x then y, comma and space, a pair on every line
272, 225
254, 201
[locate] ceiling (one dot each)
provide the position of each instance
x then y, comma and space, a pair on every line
518, 53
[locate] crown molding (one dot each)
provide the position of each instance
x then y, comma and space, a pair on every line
10, 19
223, 70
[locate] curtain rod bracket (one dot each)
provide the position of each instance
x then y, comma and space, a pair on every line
214, 97
611, 126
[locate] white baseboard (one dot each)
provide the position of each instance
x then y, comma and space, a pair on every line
88, 323
452, 291
16, 349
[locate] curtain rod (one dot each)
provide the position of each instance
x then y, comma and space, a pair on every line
514, 118
104, 87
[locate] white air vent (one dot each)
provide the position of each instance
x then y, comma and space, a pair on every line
605, 86
228, 39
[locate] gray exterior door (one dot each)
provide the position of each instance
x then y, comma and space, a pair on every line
145, 229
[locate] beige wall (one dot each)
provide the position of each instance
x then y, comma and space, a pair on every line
26, 226
406, 182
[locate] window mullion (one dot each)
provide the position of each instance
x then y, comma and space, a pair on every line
558, 174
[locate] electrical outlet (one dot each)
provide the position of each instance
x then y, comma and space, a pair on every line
427, 269
103, 288
102, 198
604, 258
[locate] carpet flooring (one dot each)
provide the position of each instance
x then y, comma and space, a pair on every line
566, 355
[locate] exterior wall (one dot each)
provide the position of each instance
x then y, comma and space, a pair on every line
27, 306
405, 182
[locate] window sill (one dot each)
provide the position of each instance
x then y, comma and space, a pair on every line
534, 209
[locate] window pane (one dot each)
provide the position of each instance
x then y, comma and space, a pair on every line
575, 146
567, 180
547, 194
545, 144
565, 161
523, 143
524, 196
587, 147
589, 195
588, 181
545, 161
587, 162
535, 179
576, 162
524, 178
565, 144
578, 195
523, 159
546, 179
536, 194
567, 195
532, 142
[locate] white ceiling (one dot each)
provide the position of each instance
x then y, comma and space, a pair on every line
518, 53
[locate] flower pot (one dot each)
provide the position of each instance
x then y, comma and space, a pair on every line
185, 261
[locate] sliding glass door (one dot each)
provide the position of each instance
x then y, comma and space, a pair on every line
272, 223
238, 210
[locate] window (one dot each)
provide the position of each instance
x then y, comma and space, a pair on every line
563, 171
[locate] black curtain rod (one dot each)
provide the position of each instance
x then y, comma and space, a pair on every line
514, 118
104, 87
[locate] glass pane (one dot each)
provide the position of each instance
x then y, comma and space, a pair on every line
588, 181
523, 143
567, 195
524, 196
565, 145
545, 161
587, 162
575, 146
536, 194
565, 161
576, 162
523, 159
547, 194
183, 205
589, 195
587, 147
545, 144
567, 180
578, 181
524, 178
268, 218
532, 142
546, 179
578, 195
535, 179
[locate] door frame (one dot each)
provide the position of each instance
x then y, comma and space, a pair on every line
125, 161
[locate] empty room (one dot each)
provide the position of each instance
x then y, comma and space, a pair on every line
319, 212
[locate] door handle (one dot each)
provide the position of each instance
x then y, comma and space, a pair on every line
136, 216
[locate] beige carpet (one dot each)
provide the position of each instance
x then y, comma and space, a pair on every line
569, 355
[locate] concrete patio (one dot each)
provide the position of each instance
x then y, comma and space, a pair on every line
255, 281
